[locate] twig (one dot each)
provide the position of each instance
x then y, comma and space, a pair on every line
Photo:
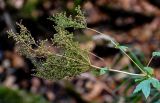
113, 70
116, 45
150, 61
96, 56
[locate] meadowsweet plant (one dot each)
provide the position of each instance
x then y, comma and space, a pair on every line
71, 60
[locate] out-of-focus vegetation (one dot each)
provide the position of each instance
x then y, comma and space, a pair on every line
8, 95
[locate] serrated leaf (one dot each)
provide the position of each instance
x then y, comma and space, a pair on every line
103, 70
146, 90
124, 48
149, 70
143, 86
155, 83
155, 54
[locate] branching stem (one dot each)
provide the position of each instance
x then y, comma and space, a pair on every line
114, 70
117, 45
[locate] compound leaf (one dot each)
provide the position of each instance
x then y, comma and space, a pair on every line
143, 86
155, 83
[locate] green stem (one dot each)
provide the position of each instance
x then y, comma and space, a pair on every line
116, 45
113, 70
133, 61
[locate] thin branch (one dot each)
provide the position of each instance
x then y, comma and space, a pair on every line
96, 56
150, 61
107, 38
116, 45
124, 72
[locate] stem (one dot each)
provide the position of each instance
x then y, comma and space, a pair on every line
115, 60
116, 45
96, 56
150, 61
113, 70
133, 61
102, 34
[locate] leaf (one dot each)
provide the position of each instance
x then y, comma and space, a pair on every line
124, 48
149, 70
155, 83
143, 86
95, 72
103, 70
155, 54
146, 90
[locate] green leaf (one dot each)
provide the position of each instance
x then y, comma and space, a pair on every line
124, 48
143, 86
95, 72
103, 70
155, 54
155, 83
149, 70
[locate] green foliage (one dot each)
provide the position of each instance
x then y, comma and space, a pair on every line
70, 61
28, 9
156, 54
16, 96
95, 72
149, 70
103, 71
9, 96
63, 21
124, 48
24, 40
145, 86
155, 83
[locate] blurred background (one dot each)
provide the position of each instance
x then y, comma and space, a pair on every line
135, 23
